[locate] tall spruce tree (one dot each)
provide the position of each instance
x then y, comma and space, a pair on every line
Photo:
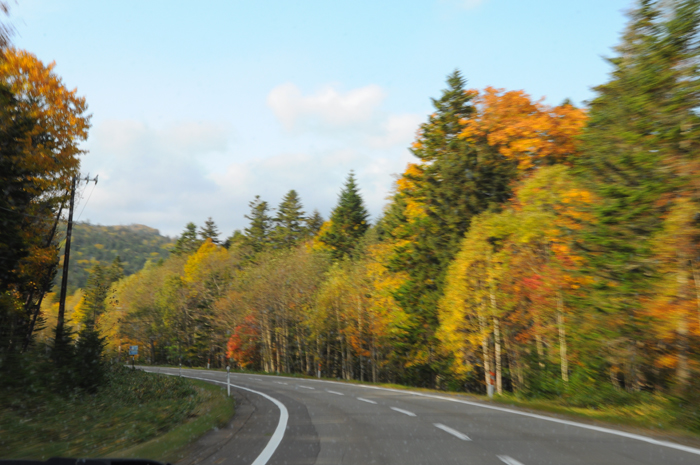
458, 179
638, 153
258, 232
454, 180
115, 271
188, 241
289, 222
94, 296
314, 223
209, 231
349, 221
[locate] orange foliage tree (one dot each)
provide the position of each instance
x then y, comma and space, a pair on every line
531, 133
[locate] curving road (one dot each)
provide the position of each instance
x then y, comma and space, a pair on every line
283, 420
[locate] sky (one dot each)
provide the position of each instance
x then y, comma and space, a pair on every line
197, 107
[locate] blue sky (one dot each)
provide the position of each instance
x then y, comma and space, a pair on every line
199, 106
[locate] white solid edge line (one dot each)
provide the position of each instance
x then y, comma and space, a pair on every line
405, 412
508, 460
454, 432
366, 400
277, 436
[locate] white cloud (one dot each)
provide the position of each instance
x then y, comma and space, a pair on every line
152, 176
397, 130
167, 177
328, 107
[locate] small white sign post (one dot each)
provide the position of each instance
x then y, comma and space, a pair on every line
228, 381
181, 370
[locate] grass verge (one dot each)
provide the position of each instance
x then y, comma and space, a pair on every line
655, 414
214, 410
135, 414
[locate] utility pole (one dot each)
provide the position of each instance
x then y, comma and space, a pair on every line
58, 341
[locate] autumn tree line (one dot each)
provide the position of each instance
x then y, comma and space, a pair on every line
545, 250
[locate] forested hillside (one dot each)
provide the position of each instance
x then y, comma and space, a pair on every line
95, 244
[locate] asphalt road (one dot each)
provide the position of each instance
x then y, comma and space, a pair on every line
283, 420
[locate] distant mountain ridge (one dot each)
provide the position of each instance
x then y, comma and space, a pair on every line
91, 244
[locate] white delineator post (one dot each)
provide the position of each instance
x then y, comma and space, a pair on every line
228, 381
181, 370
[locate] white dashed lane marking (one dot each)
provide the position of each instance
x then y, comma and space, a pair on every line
509, 460
335, 392
366, 400
279, 382
405, 412
456, 433
307, 387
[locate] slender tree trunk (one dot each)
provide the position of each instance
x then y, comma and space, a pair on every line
374, 361
485, 348
562, 338
512, 363
497, 354
682, 368
696, 280
496, 335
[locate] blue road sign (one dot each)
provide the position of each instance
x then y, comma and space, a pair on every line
133, 350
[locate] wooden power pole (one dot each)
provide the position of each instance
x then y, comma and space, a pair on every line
66, 260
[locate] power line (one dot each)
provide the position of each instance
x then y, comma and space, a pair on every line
88, 199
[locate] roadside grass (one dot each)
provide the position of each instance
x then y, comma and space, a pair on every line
214, 410
653, 414
134, 413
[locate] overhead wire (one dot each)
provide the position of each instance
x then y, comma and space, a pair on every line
86, 202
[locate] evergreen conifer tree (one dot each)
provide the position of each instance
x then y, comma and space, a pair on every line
209, 231
314, 223
349, 221
642, 134
94, 296
115, 271
289, 222
455, 180
638, 153
258, 232
458, 179
188, 241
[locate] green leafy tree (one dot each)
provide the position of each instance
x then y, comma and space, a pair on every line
348, 223
289, 222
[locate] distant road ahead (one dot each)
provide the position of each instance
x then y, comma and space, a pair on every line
299, 421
